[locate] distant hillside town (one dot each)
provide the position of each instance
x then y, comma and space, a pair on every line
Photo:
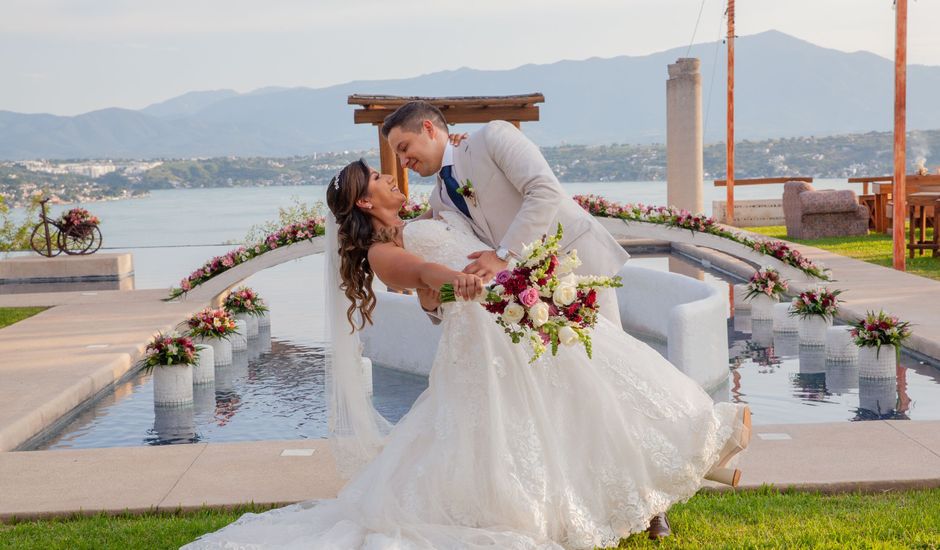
824, 157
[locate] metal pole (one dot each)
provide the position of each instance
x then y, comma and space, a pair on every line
900, 115
729, 200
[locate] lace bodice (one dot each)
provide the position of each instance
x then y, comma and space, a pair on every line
445, 241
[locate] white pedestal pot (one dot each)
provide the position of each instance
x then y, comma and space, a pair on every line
204, 371
251, 321
875, 363
221, 349
762, 307
813, 329
240, 338
172, 384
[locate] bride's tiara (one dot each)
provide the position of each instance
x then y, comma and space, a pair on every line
335, 181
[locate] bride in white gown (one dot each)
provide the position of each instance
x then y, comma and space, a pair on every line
568, 452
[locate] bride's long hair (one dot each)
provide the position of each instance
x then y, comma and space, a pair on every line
355, 235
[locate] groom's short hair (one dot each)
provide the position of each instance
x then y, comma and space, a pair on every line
409, 116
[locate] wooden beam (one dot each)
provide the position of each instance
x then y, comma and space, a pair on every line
900, 124
762, 181
394, 102
458, 115
390, 164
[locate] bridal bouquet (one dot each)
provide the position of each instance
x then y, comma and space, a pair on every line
541, 301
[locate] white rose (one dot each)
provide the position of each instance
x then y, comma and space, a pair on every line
499, 289
564, 294
545, 292
567, 336
513, 313
539, 314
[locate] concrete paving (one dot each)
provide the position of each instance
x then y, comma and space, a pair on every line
833, 457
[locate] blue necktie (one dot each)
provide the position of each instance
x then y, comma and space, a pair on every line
451, 184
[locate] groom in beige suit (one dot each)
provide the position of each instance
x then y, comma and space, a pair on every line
515, 200
515, 196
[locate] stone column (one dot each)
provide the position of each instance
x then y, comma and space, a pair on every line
684, 167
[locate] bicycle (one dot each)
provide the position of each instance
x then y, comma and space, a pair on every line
83, 238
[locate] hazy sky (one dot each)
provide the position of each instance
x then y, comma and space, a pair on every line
73, 56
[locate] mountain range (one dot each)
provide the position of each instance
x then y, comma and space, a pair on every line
784, 87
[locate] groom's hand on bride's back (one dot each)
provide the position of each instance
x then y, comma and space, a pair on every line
485, 265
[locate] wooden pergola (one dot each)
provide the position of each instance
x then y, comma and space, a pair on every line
515, 109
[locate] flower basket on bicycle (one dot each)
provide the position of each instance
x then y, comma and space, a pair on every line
74, 232
78, 222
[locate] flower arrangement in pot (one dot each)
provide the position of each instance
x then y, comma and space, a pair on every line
171, 358
245, 304
816, 309
215, 328
79, 221
879, 337
763, 291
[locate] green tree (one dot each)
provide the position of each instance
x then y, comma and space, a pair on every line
15, 235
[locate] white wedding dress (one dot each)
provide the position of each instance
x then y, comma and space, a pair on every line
567, 452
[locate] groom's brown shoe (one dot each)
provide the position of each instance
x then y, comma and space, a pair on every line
659, 527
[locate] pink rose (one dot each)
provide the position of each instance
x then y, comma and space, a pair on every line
529, 297
503, 277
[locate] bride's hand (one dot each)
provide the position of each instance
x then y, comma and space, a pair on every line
468, 286
455, 139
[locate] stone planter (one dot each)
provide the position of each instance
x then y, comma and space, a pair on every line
877, 364
877, 395
812, 360
762, 332
221, 349
224, 379
204, 401
264, 339
739, 291
762, 307
839, 344
240, 338
841, 377
742, 322
174, 424
204, 371
813, 330
786, 344
172, 385
783, 321
251, 322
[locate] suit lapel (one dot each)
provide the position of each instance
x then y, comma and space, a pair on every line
463, 165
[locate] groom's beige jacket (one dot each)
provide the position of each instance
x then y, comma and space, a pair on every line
519, 199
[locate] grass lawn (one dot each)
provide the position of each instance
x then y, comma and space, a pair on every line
748, 519
10, 315
875, 248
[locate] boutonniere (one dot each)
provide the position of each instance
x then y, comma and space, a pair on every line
466, 191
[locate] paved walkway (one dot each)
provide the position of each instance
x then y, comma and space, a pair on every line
869, 456
54, 361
